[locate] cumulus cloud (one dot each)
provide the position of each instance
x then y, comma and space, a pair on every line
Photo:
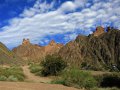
68, 6
43, 19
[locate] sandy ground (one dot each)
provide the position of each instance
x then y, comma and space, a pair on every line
33, 82
30, 77
32, 86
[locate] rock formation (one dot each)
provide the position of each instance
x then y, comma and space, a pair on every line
34, 52
28, 51
99, 30
26, 42
52, 47
99, 51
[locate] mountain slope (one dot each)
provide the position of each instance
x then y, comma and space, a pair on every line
98, 52
30, 52
8, 57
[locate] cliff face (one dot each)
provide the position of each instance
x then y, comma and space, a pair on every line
35, 52
98, 51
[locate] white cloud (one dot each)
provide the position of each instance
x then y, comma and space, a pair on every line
68, 6
70, 36
39, 7
81, 3
42, 20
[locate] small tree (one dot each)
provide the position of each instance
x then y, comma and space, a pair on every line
52, 65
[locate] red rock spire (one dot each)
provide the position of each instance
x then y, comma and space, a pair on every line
26, 42
52, 42
99, 30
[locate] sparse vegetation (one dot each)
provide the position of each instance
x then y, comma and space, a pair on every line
76, 78
11, 74
52, 65
35, 68
84, 79
3, 78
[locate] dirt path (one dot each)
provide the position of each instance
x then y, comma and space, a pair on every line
33, 83
32, 78
32, 86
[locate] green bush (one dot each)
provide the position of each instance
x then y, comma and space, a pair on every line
77, 78
109, 80
12, 78
35, 68
3, 78
52, 65
8, 73
58, 81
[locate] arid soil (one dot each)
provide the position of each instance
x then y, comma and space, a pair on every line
32, 86
30, 77
33, 82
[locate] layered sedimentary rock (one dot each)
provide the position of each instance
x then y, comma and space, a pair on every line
98, 51
28, 51
34, 52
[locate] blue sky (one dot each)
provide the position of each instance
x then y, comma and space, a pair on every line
61, 20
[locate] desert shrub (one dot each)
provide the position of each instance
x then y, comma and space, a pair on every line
77, 78
11, 72
12, 78
35, 68
108, 80
3, 78
58, 81
52, 65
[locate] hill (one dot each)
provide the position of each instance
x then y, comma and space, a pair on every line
98, 51
33, 52
7, 57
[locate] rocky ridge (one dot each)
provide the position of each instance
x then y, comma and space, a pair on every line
99, 51
34, 52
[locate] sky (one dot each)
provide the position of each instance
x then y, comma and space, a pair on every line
61, 20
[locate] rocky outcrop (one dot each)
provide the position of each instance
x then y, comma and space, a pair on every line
34, 52
99, 30
26, 42
28, 51
99, 51
52, 47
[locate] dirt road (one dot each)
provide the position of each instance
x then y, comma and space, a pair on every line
32, 86
30, 77
33, 83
